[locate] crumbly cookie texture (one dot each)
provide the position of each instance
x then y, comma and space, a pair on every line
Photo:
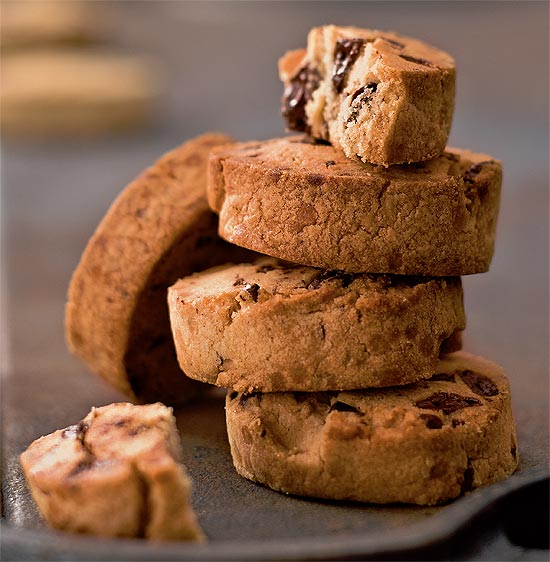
116, 473
272, 326
382, 97
75, 93
309, 204
424, 443
157, 230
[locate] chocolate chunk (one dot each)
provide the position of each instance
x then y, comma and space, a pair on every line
346, 53
298, 92
265, 268
447, 377
239, 281
423, 62
447, 402
83, 465
330, 163
359, 98
263, 433
233, 395
480, 384
343, 407
432, 422
394, 43
246, 397
456, 422
252, 290
468, 480
315, 179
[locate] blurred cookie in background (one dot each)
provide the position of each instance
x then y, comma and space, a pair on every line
43, 22
75, 92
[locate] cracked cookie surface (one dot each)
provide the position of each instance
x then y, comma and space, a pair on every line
423, 443
385, 98
116, 473
273, 326
157, 230
309, 204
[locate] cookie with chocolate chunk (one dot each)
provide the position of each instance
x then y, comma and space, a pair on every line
157, 230
272, 326
116, 473
385, 98
423, 443
309, 204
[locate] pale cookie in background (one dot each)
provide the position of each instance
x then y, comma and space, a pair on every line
27, 23
157, 230
278, 327
382, 97
116, 473
424, 443
75, 92
309, 204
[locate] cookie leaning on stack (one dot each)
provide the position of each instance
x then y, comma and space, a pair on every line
270, 331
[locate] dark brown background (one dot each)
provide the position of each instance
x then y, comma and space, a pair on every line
217, 63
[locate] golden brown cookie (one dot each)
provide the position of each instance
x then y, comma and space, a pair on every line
157, 230
385, 98
277, 327
74, 92
309, 204
423, 443
116, 473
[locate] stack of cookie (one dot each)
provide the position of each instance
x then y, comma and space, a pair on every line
340, 349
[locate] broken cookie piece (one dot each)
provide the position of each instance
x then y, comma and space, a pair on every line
385, 98
116, 473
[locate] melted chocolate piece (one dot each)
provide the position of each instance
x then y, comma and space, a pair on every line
432, 421
447, 402
480, 384
83, 465
447, 377
298, 92
423, 62
253, 290
343, 407
359, 98
346, 52
238, 282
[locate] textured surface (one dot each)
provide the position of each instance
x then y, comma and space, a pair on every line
423, 443
385, 98
274, 327
309, 204
54, 195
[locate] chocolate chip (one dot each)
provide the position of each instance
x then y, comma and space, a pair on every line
447, 402
263, 433
246, 397
297, 93
315, 179
447, 377
479, 384
474, 170
252, 290
432, 422
416, 60
330, 163
233, 395
265, 268
468, 480
346, 52
359, 98
239, 281
394, 43
456, 422
343, 407
83, 465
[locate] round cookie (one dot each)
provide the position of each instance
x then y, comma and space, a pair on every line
68, 92
116, 473
158, 229
385, 98
423, 443
276, 327
309, 204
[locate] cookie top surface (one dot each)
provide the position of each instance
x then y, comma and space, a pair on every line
315, 162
